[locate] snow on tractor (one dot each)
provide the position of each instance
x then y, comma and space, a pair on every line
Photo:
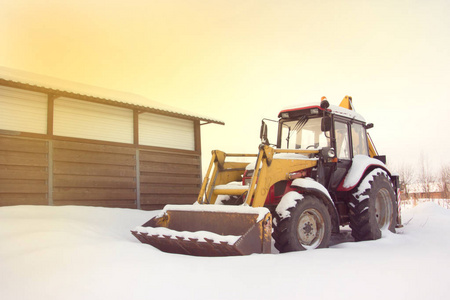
323, 173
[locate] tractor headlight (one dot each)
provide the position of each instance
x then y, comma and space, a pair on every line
331, 153
314, 111
328, 153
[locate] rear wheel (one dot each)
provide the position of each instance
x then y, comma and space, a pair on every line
373, 207
307, 227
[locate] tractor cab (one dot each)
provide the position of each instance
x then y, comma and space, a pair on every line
337, 131
324, 125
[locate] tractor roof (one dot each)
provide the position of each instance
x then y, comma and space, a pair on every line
341, 110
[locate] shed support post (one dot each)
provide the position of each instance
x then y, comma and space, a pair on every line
138, 181
50, 172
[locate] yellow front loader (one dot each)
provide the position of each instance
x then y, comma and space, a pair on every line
306, 182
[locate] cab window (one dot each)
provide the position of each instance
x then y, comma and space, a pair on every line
342, 140
359, 140
303, 134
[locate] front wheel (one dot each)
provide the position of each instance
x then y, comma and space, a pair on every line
308, 226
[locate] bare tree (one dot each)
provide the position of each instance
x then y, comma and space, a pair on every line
425, 176
444, 181
406, 173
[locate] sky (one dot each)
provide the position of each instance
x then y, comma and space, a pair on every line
241, 61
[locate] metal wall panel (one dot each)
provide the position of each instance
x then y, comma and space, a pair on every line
87, 120
23, 171
168, 178
162, 131
94, 175
58, 172
22, 110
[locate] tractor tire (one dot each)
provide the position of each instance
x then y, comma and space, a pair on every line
373, 207
307, 227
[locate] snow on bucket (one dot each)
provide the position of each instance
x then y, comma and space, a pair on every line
208, 230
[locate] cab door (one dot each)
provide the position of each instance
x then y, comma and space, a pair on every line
343, 151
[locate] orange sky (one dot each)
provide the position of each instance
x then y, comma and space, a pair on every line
240, 61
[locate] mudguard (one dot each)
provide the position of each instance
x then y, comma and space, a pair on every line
361, 164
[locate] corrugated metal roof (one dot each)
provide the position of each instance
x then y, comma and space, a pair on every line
59, 87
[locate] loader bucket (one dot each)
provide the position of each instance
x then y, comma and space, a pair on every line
208, 230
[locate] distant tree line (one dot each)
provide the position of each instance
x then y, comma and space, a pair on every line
426, 181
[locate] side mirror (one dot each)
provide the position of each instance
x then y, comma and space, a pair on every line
326, 124
263, 133
368, 126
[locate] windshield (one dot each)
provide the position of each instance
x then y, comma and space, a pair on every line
304, 134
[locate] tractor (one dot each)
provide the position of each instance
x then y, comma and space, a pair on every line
323, 172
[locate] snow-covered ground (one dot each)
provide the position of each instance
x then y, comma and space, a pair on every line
89, 253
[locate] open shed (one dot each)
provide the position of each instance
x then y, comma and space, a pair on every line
63, 143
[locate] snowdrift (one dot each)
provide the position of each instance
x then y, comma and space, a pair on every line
88, 253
